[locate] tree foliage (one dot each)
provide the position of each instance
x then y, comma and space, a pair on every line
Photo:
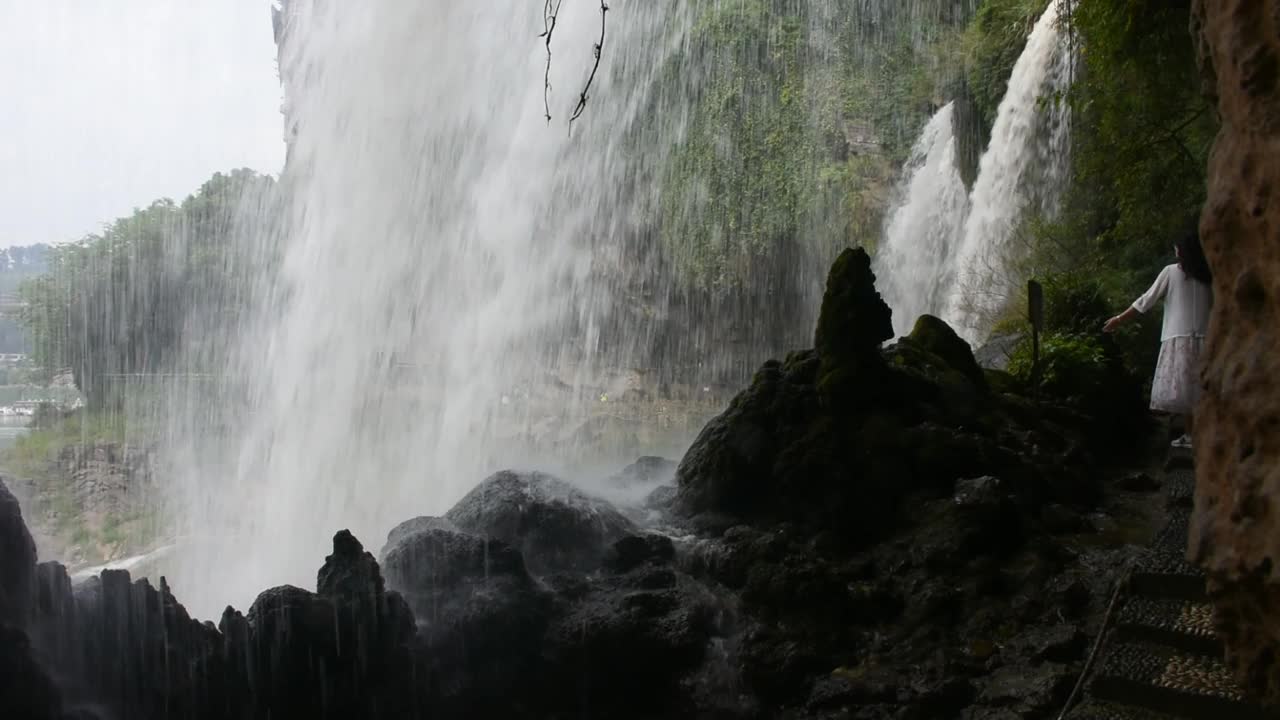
800, 117
992, 44
152, 289
1141, 133
1145, 131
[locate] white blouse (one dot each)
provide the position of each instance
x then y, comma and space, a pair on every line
1186, 307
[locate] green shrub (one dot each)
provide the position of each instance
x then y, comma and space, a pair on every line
1088, 372
1068, 363
1074, 304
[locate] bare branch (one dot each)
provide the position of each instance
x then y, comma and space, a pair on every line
550, 14
597, 50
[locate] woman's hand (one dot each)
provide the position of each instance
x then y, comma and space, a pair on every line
1114, 323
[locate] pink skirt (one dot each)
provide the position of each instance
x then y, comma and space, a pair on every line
1176, 386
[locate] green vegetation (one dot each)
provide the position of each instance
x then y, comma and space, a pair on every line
801, 124
155, 293
47, 457
742, 145
154, 288
33, 454
792, 145
992, 43
1140, 143
801, 116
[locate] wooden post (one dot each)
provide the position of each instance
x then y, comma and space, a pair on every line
1035, 313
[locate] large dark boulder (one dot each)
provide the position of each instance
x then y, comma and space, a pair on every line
933, 336
853, 323
413, 526
551, 523
374, 625
131, 650
344, 651
438, 571
17, 562
481, 617
644, 472
293, 648
730, 467
634, 551
128, 647
26, 690
842, 437
495, 642
350, 575
632, 642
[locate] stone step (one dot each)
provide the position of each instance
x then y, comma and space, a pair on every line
1180, 487
1176, 623
1166, 574
1167, 680
1098, 710
1173, 536
1179, 458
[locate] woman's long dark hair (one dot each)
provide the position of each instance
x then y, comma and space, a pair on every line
1192, 260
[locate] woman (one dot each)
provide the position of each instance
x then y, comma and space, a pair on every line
1185, 288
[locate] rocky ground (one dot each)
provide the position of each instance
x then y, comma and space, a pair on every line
87, 503
864, 532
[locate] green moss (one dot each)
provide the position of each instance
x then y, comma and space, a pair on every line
854, 319
795, 138
934, 336
992, 44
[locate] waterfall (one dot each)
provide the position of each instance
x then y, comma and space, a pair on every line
923, 226
1024, 167
445, 248
456, 283
954, 255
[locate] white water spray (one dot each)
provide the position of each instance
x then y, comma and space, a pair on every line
1024, 167
441, 254
924, 225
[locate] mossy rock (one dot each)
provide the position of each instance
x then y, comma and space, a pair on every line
933, 335
854, 319
1002, 382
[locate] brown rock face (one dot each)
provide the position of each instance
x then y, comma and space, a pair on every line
1235, 533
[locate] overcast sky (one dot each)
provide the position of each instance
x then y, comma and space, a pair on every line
106, 105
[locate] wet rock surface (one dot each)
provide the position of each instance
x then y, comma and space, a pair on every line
829, 433
645, 472
553, 524
864, 532
17, 562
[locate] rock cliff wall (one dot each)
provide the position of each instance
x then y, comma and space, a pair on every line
1236, 528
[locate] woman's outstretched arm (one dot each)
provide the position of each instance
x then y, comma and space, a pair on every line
1114, 323
1142, 304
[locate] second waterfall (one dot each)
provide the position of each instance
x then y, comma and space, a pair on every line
957, 257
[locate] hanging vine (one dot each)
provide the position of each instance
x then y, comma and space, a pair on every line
550, 17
